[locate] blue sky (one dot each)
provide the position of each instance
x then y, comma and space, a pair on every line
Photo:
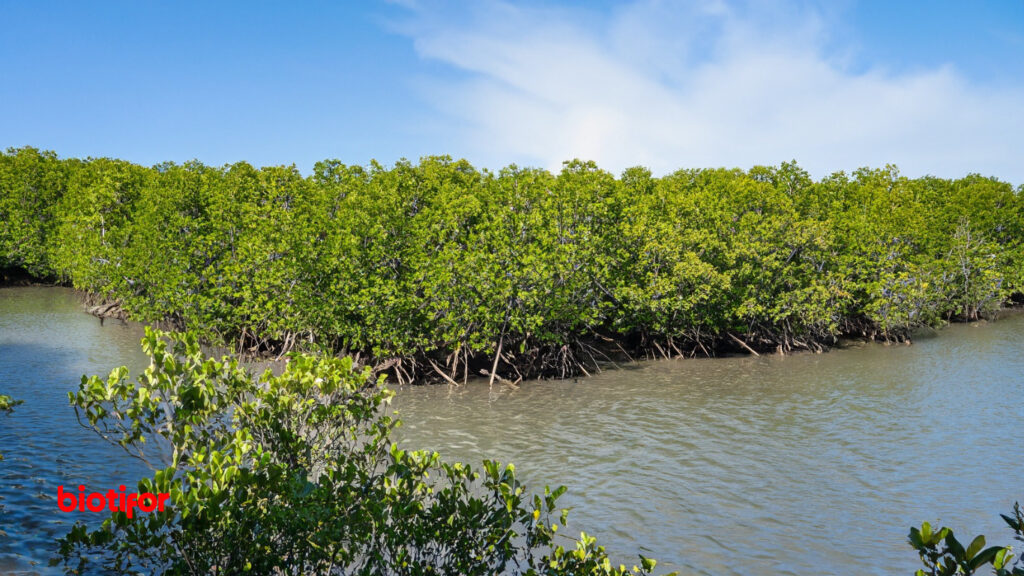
936, 87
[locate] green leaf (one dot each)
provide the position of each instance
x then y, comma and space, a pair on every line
976, 545
986, 556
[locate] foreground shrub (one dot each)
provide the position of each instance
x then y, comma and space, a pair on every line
943, 555
297, 474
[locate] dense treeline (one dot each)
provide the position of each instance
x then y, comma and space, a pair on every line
440, 270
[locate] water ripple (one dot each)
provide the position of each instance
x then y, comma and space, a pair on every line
808, 464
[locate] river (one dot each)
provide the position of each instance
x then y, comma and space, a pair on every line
805, 464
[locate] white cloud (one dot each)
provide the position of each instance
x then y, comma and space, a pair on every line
670, 85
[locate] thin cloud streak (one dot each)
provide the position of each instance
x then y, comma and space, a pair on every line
701, 84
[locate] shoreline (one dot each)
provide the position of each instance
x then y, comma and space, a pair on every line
602, 352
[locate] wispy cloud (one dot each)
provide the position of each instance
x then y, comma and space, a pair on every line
670, 85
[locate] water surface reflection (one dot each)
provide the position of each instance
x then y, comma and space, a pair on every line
46, 344
806, 464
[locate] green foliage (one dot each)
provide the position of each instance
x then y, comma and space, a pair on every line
31, 184
943, 555
94, 213
7, 405
439, 270
296, 474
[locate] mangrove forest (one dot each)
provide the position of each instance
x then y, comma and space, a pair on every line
440, 271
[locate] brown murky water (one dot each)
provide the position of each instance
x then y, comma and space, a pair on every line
808, 464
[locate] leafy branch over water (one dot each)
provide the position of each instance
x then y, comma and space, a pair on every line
296, 474
7, 404
943, 555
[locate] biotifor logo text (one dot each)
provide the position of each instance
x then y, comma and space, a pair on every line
113, 501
